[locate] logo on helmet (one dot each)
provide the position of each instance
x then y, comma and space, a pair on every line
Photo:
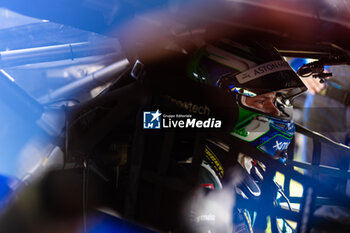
262, 70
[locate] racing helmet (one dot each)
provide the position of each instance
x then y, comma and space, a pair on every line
253, 71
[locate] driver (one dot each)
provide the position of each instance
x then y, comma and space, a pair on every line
264, 86
264, 103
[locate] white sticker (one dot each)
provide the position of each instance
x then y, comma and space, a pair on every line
262, 70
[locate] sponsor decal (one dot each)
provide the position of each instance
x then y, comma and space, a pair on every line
262, 70
205, 217
203, 110
275, 145
281, 145
214, 161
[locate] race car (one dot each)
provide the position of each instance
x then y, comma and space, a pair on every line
78, 140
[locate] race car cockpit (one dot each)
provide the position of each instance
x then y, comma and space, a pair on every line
167, 116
